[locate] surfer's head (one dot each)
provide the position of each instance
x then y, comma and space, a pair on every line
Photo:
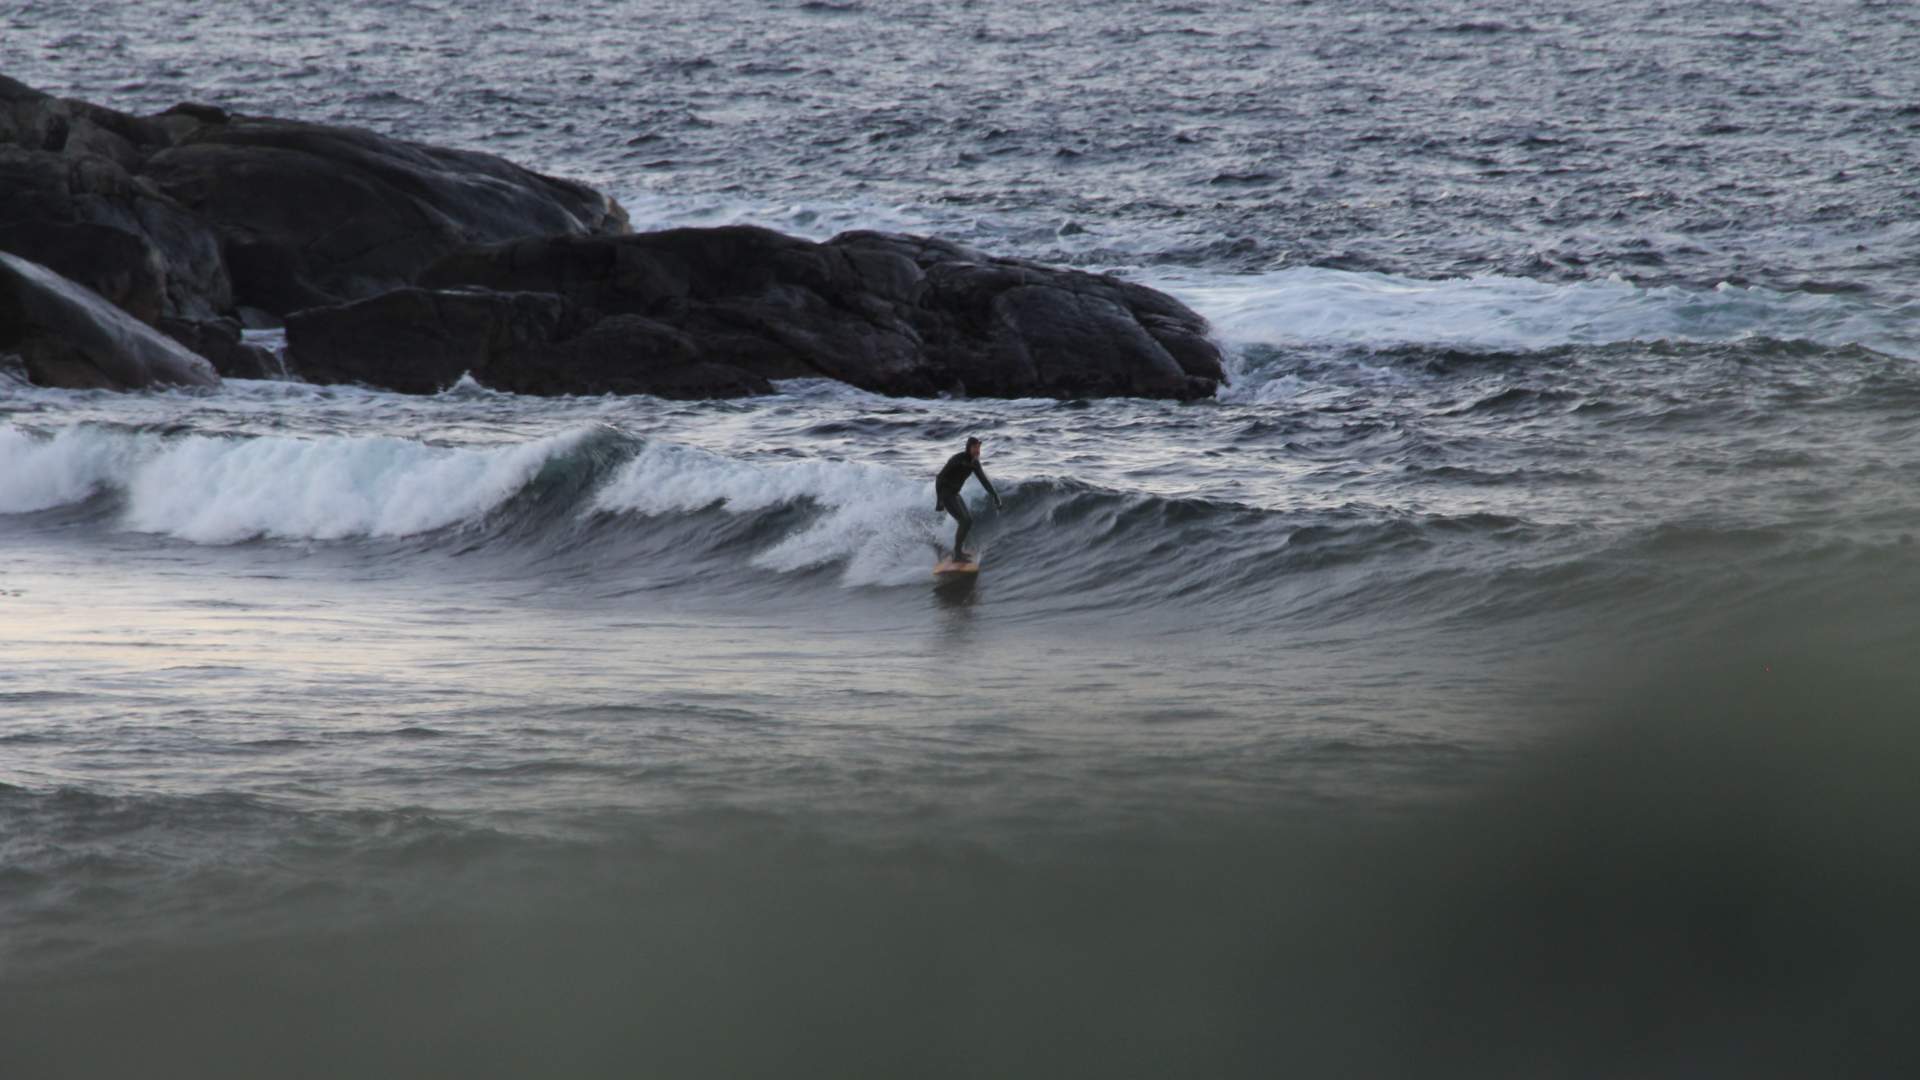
973, 446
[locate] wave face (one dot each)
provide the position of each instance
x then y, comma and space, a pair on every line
859, 515
40, 474
1332, 483
215, 490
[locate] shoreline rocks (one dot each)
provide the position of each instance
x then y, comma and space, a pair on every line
221, 342
198, 213
66, 335
892, 314
403, 266
421, 341
309, 215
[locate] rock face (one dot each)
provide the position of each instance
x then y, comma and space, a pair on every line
309, 215
420, 341
219, 340
893, 314
196, 214
66, 335
404, 266
71, 198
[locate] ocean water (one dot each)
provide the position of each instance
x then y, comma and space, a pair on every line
1511, 673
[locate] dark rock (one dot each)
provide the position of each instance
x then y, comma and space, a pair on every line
310, 215
198, 213
71, 199
220, 341
631, 354
422, 341
893, 314
205, 114
121, 266
419, 341
69, 336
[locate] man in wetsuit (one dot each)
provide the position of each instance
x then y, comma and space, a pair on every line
946, 493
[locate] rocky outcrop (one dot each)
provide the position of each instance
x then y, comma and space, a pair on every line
892, 314
71, 199
222, 342
420, 341
197, 214
309, 215
63, 334
408, 265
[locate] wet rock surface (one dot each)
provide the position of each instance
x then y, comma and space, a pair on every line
410, 265
64, 335
424, 340
221, 342
197, 212
888, 313
309, 215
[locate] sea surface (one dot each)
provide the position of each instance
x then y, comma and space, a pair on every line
1511, 673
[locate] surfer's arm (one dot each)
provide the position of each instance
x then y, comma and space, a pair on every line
986, 483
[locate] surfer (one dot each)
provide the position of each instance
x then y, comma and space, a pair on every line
946, 493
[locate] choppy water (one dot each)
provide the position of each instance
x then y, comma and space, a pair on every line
1764, 143
1526, 631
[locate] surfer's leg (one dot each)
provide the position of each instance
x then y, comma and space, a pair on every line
958, 508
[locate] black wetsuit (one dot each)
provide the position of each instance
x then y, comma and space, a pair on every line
946, 493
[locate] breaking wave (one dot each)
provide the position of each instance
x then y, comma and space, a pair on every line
222, 490
600, 504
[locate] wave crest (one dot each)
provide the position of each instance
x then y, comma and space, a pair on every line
866, 513
219, 490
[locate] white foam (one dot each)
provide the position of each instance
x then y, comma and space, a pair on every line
466, 386
1310, 306
40, 474
219, 490
822, 389
223, 490
878, 520
648, 211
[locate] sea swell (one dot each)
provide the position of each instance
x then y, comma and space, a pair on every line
621, 511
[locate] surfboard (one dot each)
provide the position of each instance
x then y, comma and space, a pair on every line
949, 568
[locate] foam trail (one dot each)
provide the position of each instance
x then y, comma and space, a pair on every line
1312, 306
876, 519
